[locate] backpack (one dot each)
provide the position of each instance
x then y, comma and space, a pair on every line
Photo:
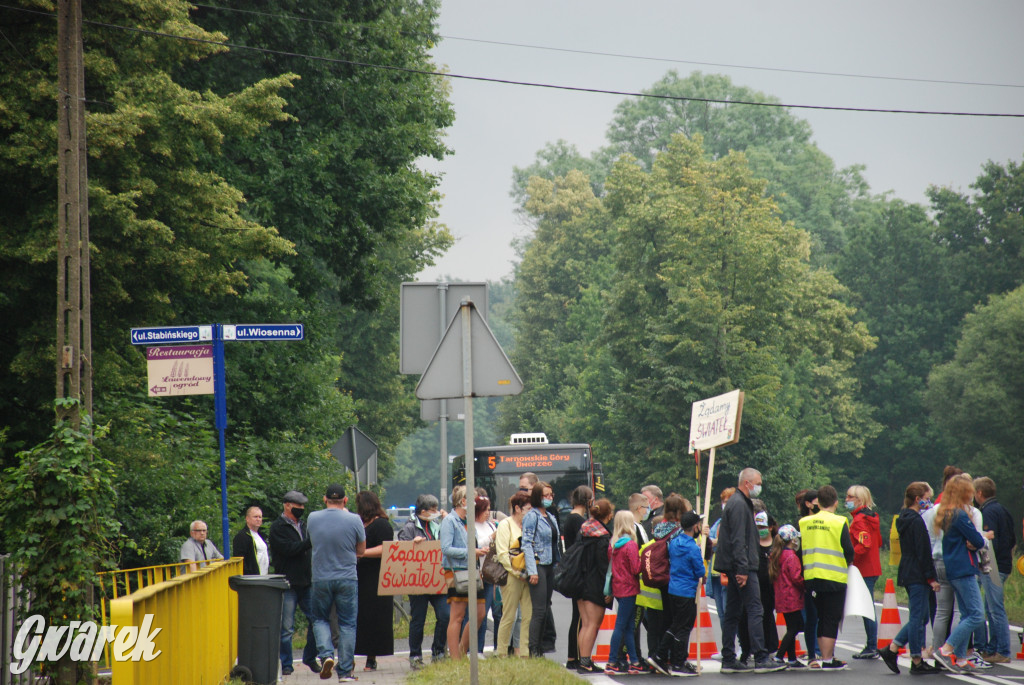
654, 563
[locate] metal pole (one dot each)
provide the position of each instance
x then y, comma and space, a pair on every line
355, 455
221, 422
467, 393
442, 293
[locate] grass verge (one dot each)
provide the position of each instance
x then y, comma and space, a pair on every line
496, 671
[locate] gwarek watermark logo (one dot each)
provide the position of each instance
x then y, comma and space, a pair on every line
82, 641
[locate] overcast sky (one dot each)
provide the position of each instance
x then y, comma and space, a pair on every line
498, 127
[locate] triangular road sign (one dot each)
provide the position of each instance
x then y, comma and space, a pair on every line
493, 374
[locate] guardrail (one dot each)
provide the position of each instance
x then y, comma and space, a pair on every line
197, 615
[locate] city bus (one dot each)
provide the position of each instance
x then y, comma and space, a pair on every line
565, 466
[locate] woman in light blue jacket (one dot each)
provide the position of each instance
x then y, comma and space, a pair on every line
454, 557
541, 540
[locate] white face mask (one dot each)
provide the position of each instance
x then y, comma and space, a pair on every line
431, 516
755, 491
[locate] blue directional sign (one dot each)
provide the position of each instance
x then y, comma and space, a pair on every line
171, 334
264, 331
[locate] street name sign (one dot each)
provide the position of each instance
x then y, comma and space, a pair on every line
171, 334
264, 331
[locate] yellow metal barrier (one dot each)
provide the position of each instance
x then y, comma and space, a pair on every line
197, 614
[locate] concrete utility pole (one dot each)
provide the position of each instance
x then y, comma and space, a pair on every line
74, 321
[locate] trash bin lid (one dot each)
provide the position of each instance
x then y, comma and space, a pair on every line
273, 580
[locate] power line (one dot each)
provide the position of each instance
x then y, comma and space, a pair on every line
531, 84
647, 58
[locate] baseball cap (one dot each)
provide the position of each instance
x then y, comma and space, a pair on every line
335, 491
789, 533
761, 519
689, 520
295, 497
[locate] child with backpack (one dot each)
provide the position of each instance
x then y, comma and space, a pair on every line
624, 565
787, 574
686, 568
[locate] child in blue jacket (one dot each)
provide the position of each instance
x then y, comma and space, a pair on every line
686, 568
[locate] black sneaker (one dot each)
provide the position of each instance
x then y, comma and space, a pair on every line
768, 665
890, 658
736, 666
686, 670
833, 665
923, 668
572, 664
658, 665
587, 667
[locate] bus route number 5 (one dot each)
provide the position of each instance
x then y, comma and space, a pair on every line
491, 462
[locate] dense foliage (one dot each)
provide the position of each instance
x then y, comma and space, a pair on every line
230, 186
684, 270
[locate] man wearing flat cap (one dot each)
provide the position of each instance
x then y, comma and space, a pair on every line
292, 556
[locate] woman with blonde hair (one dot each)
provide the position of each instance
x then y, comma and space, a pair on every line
866, 535
960, 542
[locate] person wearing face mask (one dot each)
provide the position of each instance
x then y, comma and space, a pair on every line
540, 545
916, 574
866, 535
807, 505
425, 525
737, 558
292, 556
828, 553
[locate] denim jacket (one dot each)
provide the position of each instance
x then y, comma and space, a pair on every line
537, 536
453, 542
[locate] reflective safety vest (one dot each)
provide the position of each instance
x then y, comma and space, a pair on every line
649, 597
823, 551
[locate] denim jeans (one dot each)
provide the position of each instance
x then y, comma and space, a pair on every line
943, 619
995, 640
972, 615
913, 631
870, 626
344, 595
300, 598
623, 630
481, 633
418, 617
739, 599
810, 625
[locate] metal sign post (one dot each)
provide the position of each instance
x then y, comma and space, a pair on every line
469, 351
218, 333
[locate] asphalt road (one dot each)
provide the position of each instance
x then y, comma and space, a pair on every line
851, 640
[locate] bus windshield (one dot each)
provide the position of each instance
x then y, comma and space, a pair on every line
498, 469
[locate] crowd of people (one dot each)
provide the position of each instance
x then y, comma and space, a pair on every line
950, 551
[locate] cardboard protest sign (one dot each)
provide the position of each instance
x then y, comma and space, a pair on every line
411, 568
715, 422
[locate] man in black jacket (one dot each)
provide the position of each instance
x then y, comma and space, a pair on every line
291, 553
996, 518
737, 557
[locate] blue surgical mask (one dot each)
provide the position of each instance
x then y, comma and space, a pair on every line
547, 502
850, 506
647, 515
755, 491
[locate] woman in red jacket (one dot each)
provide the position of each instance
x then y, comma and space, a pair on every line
867, 541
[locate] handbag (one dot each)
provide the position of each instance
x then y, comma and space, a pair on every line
516, 556
459, 582
491, 570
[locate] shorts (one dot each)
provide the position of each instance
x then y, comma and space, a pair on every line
830, 606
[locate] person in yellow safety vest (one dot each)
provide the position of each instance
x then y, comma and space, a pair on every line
827, 555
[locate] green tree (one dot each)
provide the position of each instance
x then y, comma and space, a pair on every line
714, 292
978, 396
890, 264
162, 221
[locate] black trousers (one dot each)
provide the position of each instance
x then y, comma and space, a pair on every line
674, 646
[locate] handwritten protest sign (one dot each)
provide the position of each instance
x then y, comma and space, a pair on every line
411, 568
715, 422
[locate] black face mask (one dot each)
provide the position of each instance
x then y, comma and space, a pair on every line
815, 509
297, 512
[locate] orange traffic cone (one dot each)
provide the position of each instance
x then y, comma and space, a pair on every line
603, 644
890, 623
1020, 654
707, 637
780, 629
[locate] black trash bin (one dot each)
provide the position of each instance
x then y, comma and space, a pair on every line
260, 603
